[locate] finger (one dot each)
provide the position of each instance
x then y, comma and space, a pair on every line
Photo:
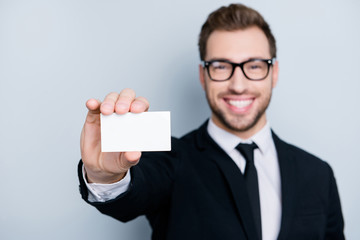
124, 101
93, 105
139, 105
108, 105
131, 158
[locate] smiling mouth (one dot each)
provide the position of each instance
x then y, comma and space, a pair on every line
240, 103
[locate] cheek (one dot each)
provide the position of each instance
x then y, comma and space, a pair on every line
209, 92
265, 87
212, 91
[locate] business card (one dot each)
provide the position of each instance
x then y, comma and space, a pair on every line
147, 131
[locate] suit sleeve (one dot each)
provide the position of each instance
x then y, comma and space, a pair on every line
335, 221
149, 190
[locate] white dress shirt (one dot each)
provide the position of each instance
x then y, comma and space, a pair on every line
266, 163
267, 167
99, 192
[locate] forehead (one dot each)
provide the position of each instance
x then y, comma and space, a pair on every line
238, 45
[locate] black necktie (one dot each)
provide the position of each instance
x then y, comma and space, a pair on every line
251, 179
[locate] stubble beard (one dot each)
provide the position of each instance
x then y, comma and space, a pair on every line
239, 123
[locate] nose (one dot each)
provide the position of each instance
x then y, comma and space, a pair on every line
238, 81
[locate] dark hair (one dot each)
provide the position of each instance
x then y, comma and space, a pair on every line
234, 17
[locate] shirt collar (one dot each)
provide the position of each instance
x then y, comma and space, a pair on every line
228, 141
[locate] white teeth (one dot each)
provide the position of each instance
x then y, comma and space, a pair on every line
240, 103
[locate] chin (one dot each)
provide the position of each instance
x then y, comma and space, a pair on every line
239, 124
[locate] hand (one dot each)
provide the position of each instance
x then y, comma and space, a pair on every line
108, 167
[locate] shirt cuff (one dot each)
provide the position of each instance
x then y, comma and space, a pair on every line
104, 192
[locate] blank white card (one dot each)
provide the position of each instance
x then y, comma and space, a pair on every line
148, 131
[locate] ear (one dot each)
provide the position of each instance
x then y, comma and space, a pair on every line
275, 73
202, 76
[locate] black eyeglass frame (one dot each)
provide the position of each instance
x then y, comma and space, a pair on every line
270, 62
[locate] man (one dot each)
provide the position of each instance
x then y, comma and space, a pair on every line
232, 178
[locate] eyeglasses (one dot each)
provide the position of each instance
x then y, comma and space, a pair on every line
253, 69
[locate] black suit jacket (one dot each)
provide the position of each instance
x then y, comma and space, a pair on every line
197, 192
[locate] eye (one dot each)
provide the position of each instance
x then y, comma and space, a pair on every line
220, 66
255, 66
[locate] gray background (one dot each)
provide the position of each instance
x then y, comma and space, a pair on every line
54, 55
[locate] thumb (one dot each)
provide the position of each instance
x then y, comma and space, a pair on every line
93, 105
130, 159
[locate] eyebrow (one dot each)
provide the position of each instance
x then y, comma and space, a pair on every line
227, 60
219, 59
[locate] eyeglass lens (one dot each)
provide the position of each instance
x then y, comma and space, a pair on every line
254, 70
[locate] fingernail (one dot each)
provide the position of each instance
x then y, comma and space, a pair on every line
121, 106
137, 104
107, 105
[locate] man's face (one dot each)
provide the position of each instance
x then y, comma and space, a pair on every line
238, 105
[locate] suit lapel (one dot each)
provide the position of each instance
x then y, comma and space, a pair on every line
288, 184
233, 177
